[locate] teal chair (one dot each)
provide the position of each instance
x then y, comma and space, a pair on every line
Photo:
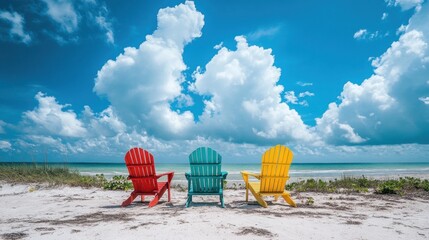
206, 177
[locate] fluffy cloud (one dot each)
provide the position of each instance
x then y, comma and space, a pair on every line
55, 144
51, 128
245, 102
17, 26
106, 123
142, 82
141, 94
387, 108
179, 25
50, 118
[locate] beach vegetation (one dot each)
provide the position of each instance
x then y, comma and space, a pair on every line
118, 183
402, 185
309, 201
45, 173
389, 187
61, 175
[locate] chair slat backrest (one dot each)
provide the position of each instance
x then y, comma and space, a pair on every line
206, 172
141, 167
275, 166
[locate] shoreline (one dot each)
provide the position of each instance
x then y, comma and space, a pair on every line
35, 211
297, 170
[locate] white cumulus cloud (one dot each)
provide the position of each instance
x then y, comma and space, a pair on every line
245, 102
386, 108
142, 82
106, 123
49, 117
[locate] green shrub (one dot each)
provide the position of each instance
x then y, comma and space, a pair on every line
390, 187
425, 185
118, 183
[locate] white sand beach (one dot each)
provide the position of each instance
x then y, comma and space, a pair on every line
37, 212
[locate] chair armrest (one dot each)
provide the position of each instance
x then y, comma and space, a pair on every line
168, 174
246, 173
224, 174
188, 175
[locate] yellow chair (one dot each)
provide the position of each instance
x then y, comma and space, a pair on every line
275, 166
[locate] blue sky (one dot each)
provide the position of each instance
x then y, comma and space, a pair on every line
335, 81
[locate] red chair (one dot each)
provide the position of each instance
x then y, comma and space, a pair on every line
141, 168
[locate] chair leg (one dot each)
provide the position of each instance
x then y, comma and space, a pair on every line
247, 192
129, 200
154, 201
188, 202
276, 197
221, 201
258, 198
158, 196
169, 196
142, 198
288, 199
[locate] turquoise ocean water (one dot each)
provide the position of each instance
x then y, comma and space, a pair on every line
298, 171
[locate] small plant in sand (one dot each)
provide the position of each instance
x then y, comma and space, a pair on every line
309, 201
118, 183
